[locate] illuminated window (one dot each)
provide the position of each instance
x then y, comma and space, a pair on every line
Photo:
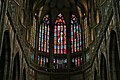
44, 41
76, 40
43, 61
60, 35
44, 35
76, 61
60, 63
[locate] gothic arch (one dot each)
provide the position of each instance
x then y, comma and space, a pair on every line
114, 57
5, 57
103, 69
16, 68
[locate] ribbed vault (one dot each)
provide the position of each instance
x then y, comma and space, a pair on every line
59, 5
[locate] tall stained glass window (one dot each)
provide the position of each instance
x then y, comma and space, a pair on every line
44, 35
76, 40
60, 35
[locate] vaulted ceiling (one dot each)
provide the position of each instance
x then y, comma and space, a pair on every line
49, 4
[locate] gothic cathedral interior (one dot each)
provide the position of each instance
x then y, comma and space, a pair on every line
59, 39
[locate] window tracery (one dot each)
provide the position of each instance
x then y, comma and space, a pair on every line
60, 60
44, 35
76, 35
60, 35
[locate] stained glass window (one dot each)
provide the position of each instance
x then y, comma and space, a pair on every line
44, 35
76, 61
60, 35
43, 61
76, 40
60, 63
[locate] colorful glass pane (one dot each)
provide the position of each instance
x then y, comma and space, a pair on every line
60, 35
76, 61
44, 35
76, 41
60, 63
79, 61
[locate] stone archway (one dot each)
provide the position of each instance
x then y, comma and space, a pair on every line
5, 57
103, 69
114, 57
16, 68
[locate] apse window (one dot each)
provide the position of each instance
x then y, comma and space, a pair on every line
44, 35
60, 35
76, 35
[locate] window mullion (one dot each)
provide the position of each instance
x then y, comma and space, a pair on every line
63, 40
60, 38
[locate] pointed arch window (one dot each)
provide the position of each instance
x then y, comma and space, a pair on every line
76, 35
44, 35
60, 35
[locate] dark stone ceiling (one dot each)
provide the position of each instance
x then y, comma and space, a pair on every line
60, 4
